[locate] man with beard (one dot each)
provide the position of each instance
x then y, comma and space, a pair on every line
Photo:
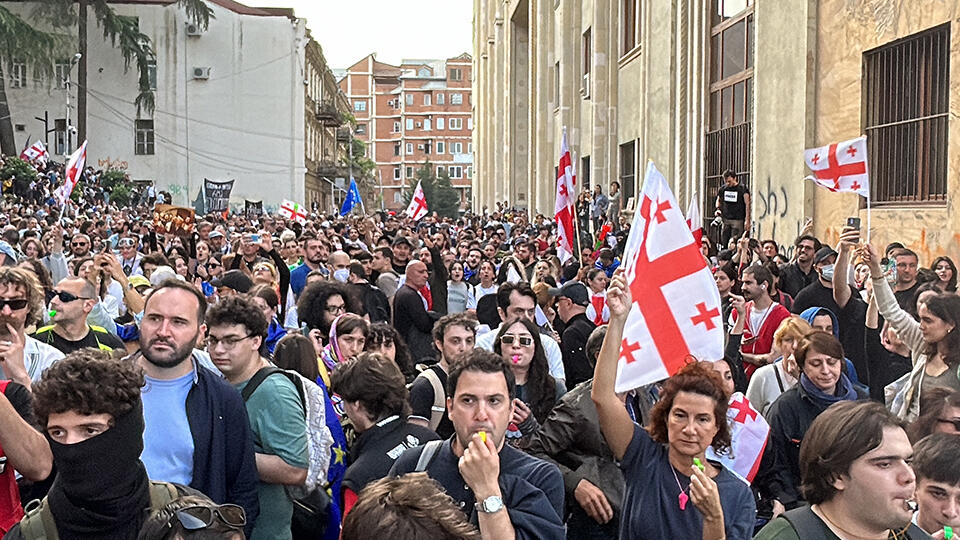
197, 432
315, 253
402, 250
858, 485
471, 267
763, 318
79, 247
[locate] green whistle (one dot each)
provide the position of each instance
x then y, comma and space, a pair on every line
947, 532
53, 313
696, 461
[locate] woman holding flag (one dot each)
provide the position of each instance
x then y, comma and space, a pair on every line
665, 465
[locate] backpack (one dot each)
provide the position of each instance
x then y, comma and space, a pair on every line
319, 439
311, 501
439, 396
38, 523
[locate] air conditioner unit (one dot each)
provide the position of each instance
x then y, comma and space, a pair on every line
585, 86
419, 147
201, 73
419, 124
194, 29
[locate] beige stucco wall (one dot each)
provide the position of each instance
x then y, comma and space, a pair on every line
847, 29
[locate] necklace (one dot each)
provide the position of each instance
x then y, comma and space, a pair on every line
820, 512
682, 497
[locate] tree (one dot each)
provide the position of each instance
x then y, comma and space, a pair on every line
441, 196
23, 41
17, 174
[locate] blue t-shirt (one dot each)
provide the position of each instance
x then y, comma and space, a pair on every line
298, 278
167, 439
650, 502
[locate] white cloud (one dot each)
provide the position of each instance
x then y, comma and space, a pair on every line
348, 30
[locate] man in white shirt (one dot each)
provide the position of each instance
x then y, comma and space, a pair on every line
517, 300
21, 300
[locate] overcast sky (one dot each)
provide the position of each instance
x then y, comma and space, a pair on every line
348, 30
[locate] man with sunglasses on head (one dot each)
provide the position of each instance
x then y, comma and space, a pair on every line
130, 258
74, 299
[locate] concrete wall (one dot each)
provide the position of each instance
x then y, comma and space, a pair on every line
846, 30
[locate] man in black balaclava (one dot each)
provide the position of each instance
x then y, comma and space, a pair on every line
89, 406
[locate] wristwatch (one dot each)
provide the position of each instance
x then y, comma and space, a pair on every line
490, 505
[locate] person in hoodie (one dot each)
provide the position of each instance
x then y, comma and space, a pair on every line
826, 321
822, 383
849, 314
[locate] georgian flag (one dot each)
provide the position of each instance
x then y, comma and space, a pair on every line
294, 211
749, 432
564, 208
675, 317
418, 204
34, 151
693, 219
72, 174
841, 167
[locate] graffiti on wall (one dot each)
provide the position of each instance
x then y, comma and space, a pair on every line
771, 206
108, 163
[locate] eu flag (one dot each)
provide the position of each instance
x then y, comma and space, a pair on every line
352, 199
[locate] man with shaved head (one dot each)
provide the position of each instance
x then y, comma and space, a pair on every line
413, 316
73, 300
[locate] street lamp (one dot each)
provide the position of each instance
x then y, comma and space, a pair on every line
66, 83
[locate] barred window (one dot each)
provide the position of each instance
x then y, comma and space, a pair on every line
905, 102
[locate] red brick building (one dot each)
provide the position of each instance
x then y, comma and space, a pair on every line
413, 113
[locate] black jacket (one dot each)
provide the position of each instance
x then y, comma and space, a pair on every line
790, 417
570, 438
414, 323
793, 280
376, 449
532, 489
573, 345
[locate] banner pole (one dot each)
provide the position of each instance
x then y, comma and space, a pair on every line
868, 219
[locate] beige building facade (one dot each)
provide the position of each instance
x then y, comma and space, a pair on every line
701, 86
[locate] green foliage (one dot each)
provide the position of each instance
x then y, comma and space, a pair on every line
441, 196
121, 195
20, 173
111, 178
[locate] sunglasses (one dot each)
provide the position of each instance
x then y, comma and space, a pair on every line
78, 244
954, 422
126, 242
508, 339
194, 518
66, 297
15, 304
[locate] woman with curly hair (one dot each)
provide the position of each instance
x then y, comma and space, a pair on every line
320, 303
518, 342
670, 485
383, 338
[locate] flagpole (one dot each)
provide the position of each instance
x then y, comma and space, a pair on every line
577, 243
868, 218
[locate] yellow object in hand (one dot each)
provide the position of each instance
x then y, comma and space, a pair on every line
483, 437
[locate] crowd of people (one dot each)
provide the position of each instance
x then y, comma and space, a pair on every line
348, 377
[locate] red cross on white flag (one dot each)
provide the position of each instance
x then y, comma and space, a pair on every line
34, 151
564, 210
72, 174
749, 433
418, 204
672, 288
841, 166
292, 210
693, 219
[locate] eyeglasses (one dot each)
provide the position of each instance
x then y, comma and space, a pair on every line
954, 422
15, 304
66, 297
524, 341
214, 265
126, 242
333, 310
194, 518
228, 342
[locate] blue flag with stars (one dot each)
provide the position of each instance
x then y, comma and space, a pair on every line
353, 198
338, 464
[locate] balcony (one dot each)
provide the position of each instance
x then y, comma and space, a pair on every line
344, 133
328, 168
327, 113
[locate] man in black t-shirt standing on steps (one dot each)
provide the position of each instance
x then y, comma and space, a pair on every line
733, 206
